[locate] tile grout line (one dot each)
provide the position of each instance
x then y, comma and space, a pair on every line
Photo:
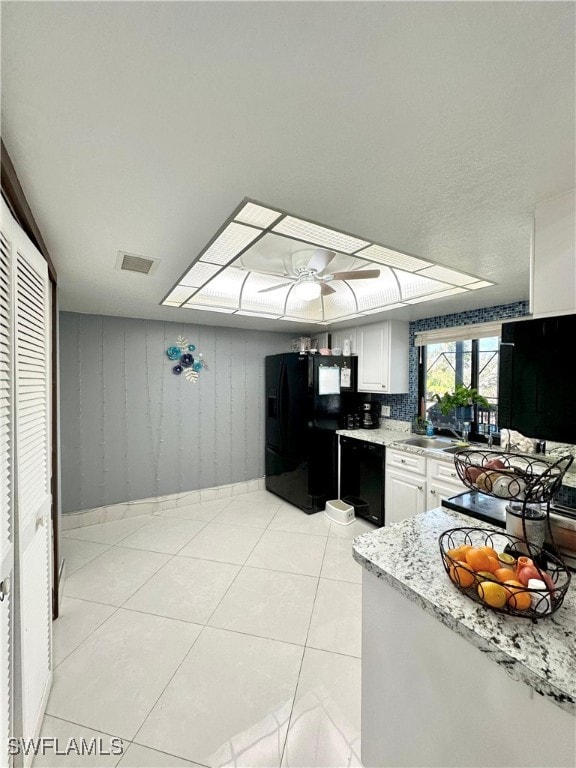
114, 612
108, 546
303, 654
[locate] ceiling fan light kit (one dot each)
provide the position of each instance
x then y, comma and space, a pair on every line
308, 290
264, 262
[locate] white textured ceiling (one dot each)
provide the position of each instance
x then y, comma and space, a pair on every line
433, 128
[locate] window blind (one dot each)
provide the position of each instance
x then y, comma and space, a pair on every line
457, 333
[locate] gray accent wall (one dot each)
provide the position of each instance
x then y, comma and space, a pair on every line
131, 429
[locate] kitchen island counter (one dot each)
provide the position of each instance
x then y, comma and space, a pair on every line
434, 647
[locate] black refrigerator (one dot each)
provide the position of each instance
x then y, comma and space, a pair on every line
307, 397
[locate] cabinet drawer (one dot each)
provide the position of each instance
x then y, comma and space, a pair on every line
445, 471
411, 462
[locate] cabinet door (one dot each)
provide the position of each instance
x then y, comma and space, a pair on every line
383, 357
437, 492
372, 347
405, 496
553, 284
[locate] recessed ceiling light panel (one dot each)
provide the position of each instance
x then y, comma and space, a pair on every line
437, 272
202, 308
393, 258
229, 243
199, 274
223, 289
257, 215
178, 295
439, 295
412, 285
314, 233
246, 313
478, 284
263, 258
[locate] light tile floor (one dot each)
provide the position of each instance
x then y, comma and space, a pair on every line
220, 634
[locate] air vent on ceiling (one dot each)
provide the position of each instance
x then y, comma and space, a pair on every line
131, 262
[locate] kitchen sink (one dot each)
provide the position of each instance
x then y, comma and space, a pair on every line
441, 444
436, 443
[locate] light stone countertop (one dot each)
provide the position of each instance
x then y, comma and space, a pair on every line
542, 655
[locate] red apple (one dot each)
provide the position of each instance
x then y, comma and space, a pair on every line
472, 473
527, 573
495, 464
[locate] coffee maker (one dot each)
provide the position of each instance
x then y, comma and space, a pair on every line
369, 417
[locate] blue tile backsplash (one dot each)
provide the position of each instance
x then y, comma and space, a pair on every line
405, 407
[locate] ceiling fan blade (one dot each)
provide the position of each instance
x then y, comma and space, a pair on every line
367, 273
320, 259
275, 287
326, 289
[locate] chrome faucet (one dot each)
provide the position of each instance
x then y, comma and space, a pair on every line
453, 432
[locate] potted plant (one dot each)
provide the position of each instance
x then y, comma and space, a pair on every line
461, 401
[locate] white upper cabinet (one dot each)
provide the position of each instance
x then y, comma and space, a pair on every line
553, 285
383, 357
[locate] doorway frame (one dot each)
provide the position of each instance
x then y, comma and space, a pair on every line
16, 201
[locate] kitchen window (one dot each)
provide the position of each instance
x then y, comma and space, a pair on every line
462, 355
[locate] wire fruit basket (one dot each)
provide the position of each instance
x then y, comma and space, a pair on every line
520, 600
511, 475
528, 483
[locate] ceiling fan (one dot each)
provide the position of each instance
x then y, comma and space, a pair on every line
312, 280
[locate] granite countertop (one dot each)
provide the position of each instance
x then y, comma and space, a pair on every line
541, 654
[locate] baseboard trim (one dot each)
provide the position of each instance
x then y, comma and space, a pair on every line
156, 505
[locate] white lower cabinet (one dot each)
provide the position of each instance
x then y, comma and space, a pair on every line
415, 483
405, 487
442, 482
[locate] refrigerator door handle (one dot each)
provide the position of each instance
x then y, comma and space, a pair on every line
283, 398
272, 406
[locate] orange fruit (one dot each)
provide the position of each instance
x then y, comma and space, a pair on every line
505, 574
493, 594
494, 564
518, 598
490, 552
455, 553
477, 559
460, 574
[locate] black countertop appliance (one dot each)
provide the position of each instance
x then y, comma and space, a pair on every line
369, 415
306, 397
536, 380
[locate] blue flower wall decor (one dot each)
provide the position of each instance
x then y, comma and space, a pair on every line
190, 361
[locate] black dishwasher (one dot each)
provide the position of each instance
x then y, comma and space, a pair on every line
362, 477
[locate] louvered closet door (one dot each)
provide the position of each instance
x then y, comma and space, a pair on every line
33, 471
6, 498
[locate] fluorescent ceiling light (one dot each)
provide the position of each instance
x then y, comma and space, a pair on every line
202, 308
257, 215
257, 314
265, 262
232, 241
